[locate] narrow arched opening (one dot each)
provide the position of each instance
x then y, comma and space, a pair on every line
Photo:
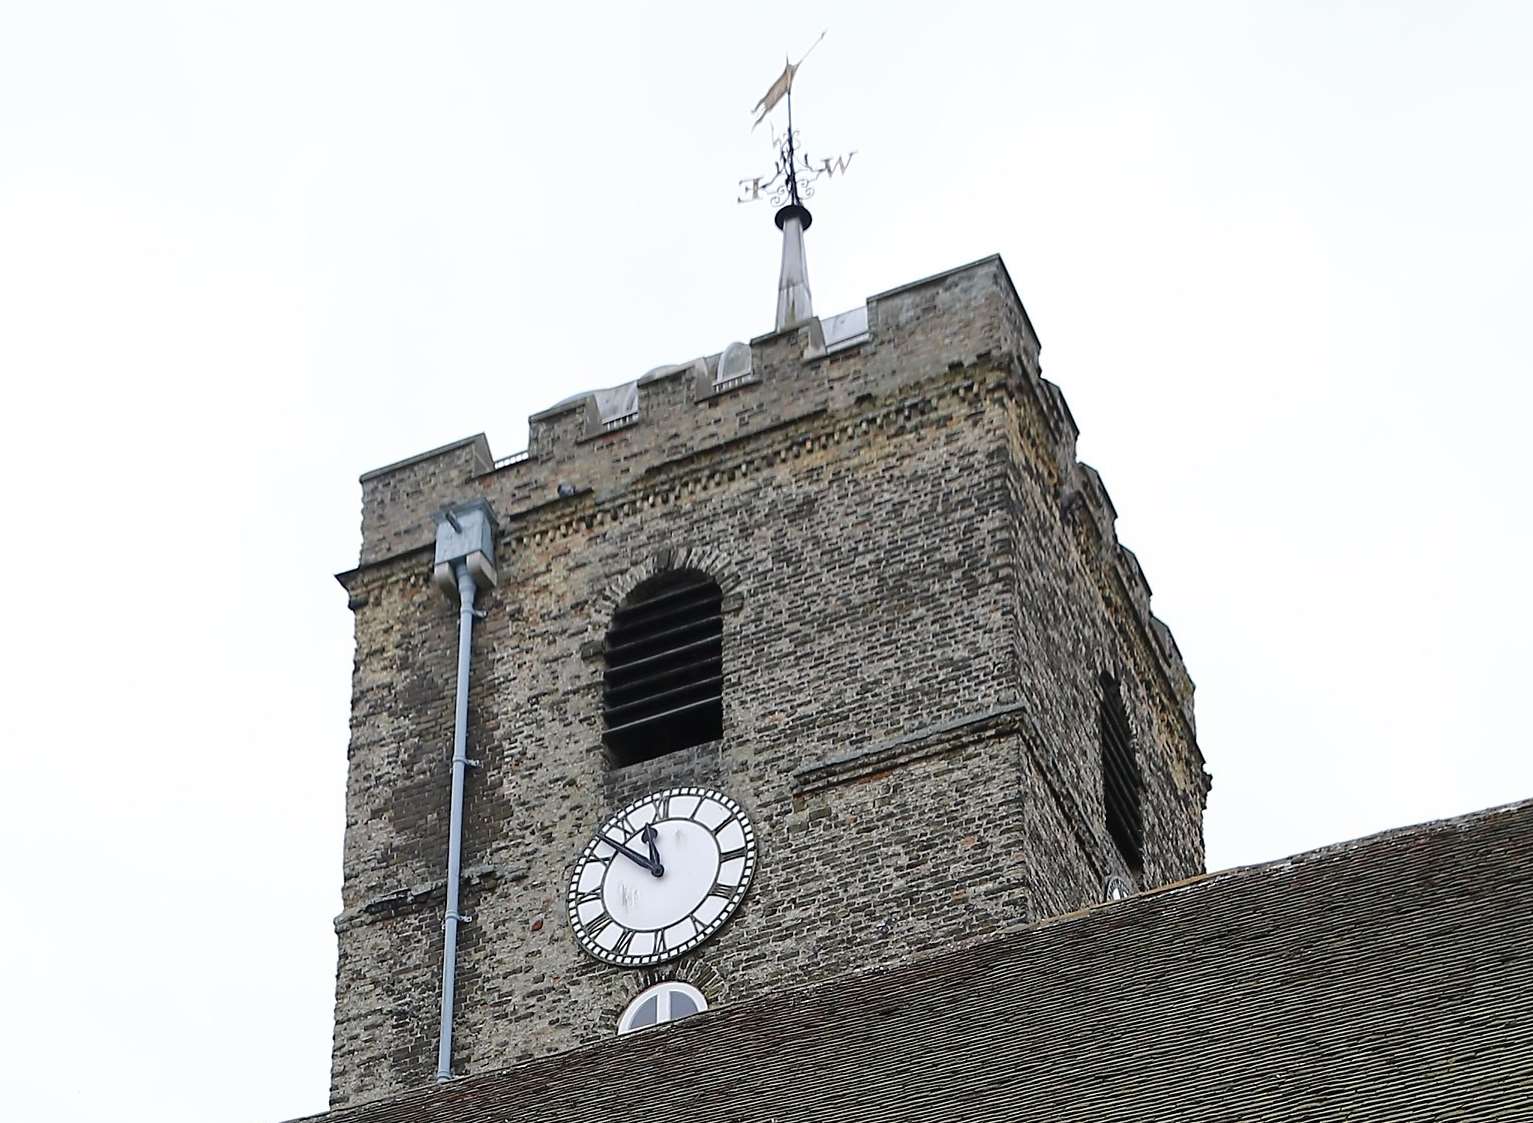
663, 687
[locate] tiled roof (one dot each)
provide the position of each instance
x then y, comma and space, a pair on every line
1384, 980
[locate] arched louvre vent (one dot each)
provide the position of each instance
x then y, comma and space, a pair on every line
663, 687
1122, 785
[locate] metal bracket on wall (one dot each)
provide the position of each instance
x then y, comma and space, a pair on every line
460, 917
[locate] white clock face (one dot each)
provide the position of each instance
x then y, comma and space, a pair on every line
661, 876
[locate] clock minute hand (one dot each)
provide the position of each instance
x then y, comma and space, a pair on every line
652, 867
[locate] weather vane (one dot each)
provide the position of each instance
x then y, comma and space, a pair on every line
792, 179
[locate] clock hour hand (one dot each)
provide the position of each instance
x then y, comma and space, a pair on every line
653, 867
649, 835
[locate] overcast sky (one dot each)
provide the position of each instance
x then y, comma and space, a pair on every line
1278, 254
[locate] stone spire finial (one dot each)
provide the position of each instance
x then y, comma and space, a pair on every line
794, 304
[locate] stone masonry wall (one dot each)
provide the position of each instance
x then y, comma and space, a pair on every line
921, 587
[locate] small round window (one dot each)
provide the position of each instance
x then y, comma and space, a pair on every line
663, 1002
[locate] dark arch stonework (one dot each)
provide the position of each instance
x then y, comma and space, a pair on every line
688, 969
664, 560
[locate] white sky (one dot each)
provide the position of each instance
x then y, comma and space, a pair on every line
1279, 256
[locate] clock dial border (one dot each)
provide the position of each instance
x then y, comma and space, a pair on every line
702, 932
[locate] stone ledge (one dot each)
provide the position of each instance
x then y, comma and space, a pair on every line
934, 740
411, 898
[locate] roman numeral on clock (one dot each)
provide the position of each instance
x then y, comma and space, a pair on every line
624, 942
721, 890
731, 855
597, 924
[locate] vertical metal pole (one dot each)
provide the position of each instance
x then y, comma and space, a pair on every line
792, 159
466, 590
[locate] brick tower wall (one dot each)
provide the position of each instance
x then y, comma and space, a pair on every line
921, 586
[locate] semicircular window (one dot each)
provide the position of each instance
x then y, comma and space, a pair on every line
663, 686
661, 1003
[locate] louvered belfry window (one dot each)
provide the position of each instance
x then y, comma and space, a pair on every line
1122, 785
663, 687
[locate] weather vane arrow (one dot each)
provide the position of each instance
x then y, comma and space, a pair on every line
794, 175
783, 86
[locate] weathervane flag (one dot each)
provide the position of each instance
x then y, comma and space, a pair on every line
783, 86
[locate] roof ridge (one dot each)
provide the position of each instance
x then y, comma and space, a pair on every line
1290, 861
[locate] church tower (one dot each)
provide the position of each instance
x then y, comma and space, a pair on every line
806, 657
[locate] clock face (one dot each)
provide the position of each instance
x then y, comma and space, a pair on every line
661, 876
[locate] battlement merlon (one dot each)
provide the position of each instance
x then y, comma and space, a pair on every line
604, 441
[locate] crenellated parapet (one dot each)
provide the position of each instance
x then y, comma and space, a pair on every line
604, 444
590, 442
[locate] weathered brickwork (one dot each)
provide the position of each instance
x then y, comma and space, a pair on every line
921, 587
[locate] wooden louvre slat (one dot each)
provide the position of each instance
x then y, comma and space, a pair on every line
653, 680
647, 639
648, 660
643, 721
651, 700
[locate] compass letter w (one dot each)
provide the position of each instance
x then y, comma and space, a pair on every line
833, 164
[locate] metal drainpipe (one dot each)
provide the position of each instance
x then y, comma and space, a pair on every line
466, 590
